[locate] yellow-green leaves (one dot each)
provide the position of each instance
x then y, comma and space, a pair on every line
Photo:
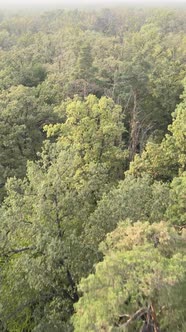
140, 262
93, 128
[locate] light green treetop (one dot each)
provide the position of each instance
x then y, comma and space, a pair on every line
142, 265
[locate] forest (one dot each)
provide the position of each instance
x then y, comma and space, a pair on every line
93, 170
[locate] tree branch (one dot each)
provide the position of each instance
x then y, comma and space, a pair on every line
137, 315
18, 251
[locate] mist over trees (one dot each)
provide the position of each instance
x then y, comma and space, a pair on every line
93, 171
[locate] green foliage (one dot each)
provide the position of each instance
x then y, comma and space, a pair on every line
166, 160
148, 65
38, 240
140, 262
84, 64
98, 86
33, 75
129, 55
43, 216
22, 117
134, 198
177, 210
94, 128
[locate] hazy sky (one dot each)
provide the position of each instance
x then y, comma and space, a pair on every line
30, 3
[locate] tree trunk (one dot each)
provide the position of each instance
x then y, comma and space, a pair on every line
134, 128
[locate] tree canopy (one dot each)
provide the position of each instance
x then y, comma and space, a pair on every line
133, 285
93, 170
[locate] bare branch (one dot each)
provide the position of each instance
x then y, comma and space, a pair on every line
137, 315
20, 250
